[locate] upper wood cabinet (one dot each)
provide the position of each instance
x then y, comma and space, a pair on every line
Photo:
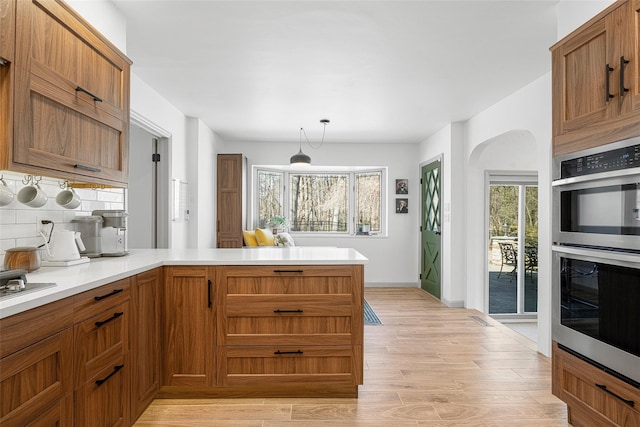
71, 98
595, 72
231, 199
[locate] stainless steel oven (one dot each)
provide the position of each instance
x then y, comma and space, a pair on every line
596, 301
596, 197
596, 256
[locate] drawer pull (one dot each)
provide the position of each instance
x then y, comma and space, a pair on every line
105, 379
277, 310
604, 388
288, 271
87, 168
114, 317
95, 98
288, 352
101, 297
209, 293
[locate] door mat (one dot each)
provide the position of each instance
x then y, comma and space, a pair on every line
370, 317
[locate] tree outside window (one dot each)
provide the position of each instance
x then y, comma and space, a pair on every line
321, 202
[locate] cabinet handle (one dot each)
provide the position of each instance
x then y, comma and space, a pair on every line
607, 95
289, 352
623, 63
209, 293
87, 168
288, 271
105, 379
95, 98
114, 317
277, 310
101, 297
604, 388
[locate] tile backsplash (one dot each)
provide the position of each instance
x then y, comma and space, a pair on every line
18, 222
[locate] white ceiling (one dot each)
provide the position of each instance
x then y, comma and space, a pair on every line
381, 71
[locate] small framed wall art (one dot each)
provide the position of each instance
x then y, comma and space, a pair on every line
402, 205
402, 186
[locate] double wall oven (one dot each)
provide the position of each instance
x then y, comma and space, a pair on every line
596, 256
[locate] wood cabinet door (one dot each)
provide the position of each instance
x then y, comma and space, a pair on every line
145, 340
36, 383
189, 330
71, 98
230, 203
582, 84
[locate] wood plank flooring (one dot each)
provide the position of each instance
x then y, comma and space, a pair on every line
427, 365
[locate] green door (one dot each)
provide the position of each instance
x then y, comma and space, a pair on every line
430, 229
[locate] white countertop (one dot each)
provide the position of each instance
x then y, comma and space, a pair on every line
100, 271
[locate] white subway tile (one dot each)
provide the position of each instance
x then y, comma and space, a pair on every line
7, 216
106, 196
17, 231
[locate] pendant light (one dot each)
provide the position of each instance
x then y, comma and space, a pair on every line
302, 159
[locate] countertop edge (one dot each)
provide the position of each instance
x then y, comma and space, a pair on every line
21, 303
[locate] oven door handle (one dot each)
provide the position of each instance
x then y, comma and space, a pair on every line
625, 176
623, 259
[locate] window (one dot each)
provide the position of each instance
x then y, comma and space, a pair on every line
321, 201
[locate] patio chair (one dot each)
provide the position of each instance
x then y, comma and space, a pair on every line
509, 257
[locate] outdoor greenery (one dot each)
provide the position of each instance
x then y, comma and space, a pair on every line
320, 202
503, 212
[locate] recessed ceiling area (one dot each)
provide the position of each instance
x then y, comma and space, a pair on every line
381, 71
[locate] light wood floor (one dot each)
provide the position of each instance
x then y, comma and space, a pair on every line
427, 365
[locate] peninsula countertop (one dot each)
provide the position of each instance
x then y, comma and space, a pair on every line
100, 271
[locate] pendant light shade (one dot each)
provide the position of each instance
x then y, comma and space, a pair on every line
300, 158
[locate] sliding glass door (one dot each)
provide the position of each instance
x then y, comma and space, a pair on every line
513, 245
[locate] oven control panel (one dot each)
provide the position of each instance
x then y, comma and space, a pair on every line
620, 158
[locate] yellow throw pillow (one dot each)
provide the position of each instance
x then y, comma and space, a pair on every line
264, 237
249, 238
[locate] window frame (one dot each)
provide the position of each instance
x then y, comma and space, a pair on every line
350, 171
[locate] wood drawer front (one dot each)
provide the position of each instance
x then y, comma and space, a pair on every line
288, 305
100, 339
90, 303
288, 279
31, 326
104, 400
64, 49
580, 384
36, 379
281, 365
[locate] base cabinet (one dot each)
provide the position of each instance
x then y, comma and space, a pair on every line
145, 339
593, 397
36, 383
284, 326
103, 401
188, 339
101, 356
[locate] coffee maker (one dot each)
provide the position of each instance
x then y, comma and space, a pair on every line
114, 226
90, 228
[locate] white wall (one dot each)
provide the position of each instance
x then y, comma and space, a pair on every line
105, 17
201, 155
449, 143
393, 259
